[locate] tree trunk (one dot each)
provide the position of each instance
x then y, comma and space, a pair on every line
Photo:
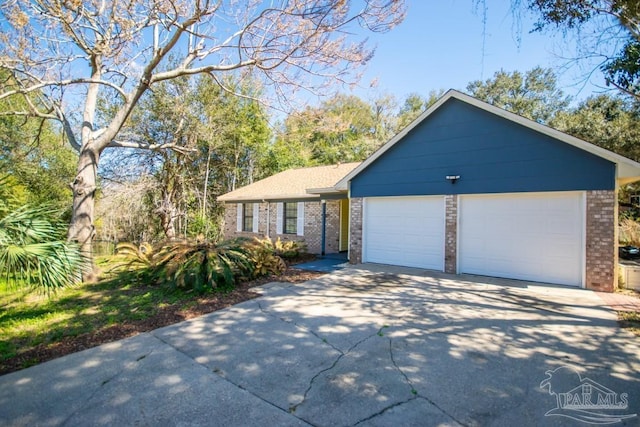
168, 220
81, 229
203, 211
168, 213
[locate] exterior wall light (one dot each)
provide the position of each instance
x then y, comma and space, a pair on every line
453, 178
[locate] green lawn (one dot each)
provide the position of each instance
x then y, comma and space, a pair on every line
35, 327
630, 320
29, 319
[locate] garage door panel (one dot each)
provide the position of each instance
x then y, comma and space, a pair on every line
562, 251
536, 237
405, 231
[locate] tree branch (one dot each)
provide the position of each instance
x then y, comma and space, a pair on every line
154, 147
60, 83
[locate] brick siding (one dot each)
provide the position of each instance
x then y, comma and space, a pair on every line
451, 234
601, 233
355, 231
332, 232
312, 225
601, 241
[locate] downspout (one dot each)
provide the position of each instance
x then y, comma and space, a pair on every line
324, 224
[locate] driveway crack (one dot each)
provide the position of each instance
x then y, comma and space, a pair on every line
415, 393
102, 384
385, 409
213, 372
293, 408
301, 327
406, 378
442, 410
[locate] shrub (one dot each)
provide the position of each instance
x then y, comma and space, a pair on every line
265, 261
136, 255
199, 266
288, 249
33, 253
629, 232
202, 266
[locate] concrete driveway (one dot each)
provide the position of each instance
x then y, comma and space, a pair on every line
366, 346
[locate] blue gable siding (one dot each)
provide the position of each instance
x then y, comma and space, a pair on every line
491, 154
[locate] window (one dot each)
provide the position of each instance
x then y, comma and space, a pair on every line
247, 217
290, 218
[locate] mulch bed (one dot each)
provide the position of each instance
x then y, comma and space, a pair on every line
165, 316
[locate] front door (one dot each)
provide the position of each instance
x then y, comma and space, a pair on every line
344, 225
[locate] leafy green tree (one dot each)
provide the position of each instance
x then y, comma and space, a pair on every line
385, 117
534, 95
35, 166
414, 105
616, 26
344, 128
610, 122
219, 142
235, 129
290, 148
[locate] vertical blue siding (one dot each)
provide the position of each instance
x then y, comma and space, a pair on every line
491, 154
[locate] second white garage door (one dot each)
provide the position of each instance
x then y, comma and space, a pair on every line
536, 237
406, 231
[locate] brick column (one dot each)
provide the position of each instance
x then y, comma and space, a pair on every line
312, 227
355, 231
451, 234
229, 222
601, 241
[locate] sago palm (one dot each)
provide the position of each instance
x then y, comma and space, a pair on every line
32, 252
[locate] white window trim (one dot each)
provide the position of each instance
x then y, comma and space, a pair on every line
239, 217
256, 217
300, 219
279, 217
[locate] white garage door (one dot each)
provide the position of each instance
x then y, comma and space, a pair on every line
536, 236
406, 231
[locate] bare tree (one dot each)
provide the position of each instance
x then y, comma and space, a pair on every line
64, 55
121, 211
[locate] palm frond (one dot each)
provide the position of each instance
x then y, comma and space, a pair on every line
33, 253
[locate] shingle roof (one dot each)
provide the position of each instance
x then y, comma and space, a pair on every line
291, 184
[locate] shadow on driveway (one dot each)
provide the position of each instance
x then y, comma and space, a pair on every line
367, 346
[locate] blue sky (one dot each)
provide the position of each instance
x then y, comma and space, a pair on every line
440, 46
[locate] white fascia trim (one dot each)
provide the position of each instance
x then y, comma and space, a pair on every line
257, 199
627, 171
342, 184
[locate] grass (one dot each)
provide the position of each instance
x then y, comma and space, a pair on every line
29, 319
630, 320
35, 328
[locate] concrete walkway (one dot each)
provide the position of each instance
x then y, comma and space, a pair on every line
620, 302
374, 346
325, 264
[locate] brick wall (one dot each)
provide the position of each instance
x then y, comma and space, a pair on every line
601, 241
451, 234
355, 231
312, 225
